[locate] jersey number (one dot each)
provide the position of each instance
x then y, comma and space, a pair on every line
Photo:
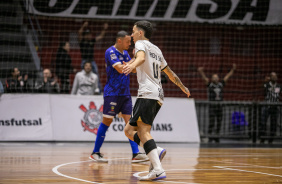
156, 70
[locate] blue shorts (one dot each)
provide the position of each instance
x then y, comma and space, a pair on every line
115, 104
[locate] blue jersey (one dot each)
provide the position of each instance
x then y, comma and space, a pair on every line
117, 84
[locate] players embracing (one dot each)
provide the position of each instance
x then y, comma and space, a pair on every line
117, 96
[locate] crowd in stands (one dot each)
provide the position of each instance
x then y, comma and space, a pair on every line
86, 81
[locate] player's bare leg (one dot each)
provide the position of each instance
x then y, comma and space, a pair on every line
130, 131
137, 156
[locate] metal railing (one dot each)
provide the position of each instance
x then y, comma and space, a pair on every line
239, 120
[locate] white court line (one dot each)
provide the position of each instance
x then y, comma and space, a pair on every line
251, 165
55, 170
137, 174
247, 171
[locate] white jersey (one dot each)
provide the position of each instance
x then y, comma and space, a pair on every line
149, 73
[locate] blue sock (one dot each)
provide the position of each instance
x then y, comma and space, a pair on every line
101, 134
134, 147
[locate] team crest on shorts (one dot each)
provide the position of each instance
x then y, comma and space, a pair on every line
92, 117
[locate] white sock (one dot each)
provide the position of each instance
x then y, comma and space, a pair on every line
154, 158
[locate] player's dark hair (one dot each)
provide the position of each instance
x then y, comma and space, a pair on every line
146, 26
122, 34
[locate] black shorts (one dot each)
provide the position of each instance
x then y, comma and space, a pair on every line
144, 110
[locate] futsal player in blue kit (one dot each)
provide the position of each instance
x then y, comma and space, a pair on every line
117, 96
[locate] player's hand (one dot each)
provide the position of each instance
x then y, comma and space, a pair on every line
127, 68
187, 92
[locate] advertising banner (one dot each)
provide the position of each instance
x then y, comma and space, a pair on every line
25, 117
77, 118
263, 12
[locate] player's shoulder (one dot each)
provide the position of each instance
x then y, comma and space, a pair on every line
110, 50
125, 52
148, 44
156, 48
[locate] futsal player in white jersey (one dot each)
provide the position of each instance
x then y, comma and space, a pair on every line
148, 63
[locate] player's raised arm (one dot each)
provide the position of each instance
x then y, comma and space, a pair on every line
139, 60
175, 79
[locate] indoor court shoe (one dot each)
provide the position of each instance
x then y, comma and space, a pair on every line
140, 157
98, 157
154, 175
161, 153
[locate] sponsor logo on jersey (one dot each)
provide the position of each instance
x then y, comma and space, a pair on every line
92, 117
120, 58
113, 56
112, 108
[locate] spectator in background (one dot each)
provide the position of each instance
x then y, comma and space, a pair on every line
64, 67
272, 91
47, 85
215, 93
86, 43
17, 83
85, 82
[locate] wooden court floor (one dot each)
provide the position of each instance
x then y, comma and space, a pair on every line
184, 163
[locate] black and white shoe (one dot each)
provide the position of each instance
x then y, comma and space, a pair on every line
140, 157
154, 175
98, 157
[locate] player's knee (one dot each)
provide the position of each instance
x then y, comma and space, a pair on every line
127, 131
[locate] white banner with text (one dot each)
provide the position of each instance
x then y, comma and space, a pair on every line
263, 12
34, 117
